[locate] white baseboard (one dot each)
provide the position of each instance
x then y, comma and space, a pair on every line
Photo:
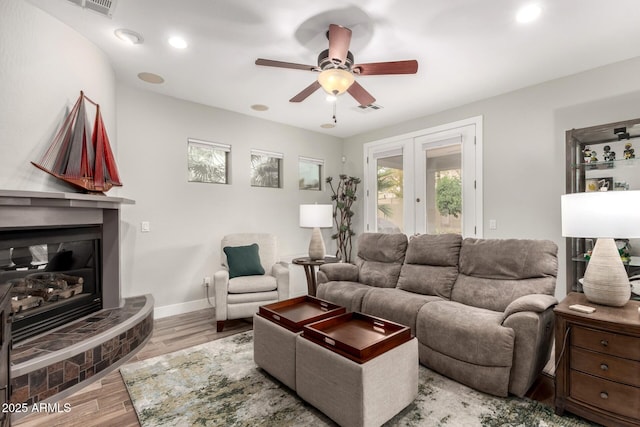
182, 308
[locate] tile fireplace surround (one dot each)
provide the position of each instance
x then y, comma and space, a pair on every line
56, 363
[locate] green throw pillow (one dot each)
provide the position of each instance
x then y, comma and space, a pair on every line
243, 260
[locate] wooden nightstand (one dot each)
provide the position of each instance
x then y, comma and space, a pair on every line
598, 374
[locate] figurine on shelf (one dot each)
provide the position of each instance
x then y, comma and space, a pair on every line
624, 249
609, 155
629, 151
586, 154
594, 156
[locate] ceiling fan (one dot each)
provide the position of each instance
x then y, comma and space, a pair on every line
337, 69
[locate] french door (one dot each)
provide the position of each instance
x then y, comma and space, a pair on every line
426, 182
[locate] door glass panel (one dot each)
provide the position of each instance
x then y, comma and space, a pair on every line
390, 197
444, 189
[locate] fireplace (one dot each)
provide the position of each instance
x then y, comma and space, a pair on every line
54, 273
61, 252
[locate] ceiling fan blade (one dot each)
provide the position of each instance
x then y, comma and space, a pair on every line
391, 67
360, 94
304, 94
339, 40
281, 64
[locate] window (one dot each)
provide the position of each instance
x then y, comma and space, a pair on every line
310, 170
389, 174
266, 169
207, 161
429, 181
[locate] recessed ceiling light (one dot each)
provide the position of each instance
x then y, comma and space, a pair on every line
528, 13
327, 125
178, 42
151, 78
128, 36
259, 107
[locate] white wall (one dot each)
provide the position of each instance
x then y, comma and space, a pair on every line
43, 66
524, 143
188, 220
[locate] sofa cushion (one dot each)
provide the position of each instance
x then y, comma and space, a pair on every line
434, 249
380, 257
431, 264
495, 272
473, 335
428, 280
496, 295
346, 294
381, 247
508, 258
395, 305
251, 284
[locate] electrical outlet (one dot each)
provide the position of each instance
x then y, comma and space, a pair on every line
206, 281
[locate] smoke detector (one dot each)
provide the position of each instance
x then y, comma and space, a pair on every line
103, 7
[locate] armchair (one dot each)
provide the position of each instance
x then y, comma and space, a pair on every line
239, 297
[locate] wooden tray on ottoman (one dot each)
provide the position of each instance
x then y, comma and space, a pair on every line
294, 313
357, 336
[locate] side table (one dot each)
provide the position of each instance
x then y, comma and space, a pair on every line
598, 357
310, 270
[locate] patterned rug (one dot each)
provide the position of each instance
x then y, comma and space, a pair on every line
218, 384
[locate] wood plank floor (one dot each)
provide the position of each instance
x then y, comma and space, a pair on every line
106, 402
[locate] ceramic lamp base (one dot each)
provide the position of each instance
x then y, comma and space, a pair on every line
606, 281
317, 251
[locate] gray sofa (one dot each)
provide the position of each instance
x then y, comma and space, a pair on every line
482, 309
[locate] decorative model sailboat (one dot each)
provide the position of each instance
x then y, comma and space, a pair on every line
81, 157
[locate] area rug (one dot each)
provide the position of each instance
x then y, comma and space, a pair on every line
218, 384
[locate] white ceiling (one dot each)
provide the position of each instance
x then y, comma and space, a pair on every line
466, 49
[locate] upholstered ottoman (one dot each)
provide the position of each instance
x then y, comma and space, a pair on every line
274, 350
352, 393
275, 328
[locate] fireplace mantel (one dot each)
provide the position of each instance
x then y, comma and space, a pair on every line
59, 199
23, 209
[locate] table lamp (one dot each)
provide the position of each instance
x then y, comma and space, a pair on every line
606, 216
316, 216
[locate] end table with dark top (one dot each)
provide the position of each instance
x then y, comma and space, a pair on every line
310, 270
598, 361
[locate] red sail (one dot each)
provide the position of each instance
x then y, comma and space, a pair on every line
80, 156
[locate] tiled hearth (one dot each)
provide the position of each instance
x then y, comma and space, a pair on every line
56, 364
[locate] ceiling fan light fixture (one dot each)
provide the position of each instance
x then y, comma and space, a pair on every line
335, 81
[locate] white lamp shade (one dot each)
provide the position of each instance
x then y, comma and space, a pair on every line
610, 214
312, 216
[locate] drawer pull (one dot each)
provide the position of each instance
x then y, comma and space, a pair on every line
604, 367
604, 395
604, 343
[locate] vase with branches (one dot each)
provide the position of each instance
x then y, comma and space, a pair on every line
344, 195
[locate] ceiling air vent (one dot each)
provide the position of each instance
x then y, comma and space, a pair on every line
367, 108
103, 7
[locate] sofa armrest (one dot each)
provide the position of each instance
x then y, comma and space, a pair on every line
340, 271
536, 303
281, 273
